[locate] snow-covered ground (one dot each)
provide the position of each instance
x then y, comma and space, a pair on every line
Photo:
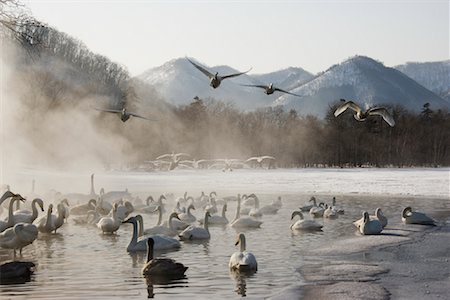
424, 182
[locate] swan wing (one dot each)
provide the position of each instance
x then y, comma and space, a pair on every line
108, 110
235, 74
343, 107
203, 70
139, 116
382, 111
286, 92
256, 85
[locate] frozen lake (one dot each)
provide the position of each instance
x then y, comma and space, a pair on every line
80, 262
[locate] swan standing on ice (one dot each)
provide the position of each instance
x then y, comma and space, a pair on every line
214, 79
242, 261
369, 227
361, 115
110, 224
26, 216
244, 222
140, 243
161, 267
304, 225
378, 216
413, 217
197, 233
19, 236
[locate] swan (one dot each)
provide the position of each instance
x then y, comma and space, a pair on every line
255, 212
369, 227
188, 217
215, 79
25, 216
270, 89
217, 220
182, 199
197, 233
123, 210
337, 209
140, 243
124, 114
361, 115
113, 196
51, 222
317, 211
66, 206
272, 208
110, 224
163, 230
242, 261
378, 216
211, 207
161, 267
307, 208
329, 213
413, 217
151, 208
77, 197
14, 271
82, 209
173, 159
304, 225
9, 222
243, 222
260, 159
19, 236
178, 209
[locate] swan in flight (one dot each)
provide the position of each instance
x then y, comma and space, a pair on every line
361, 115
161, 267
110, 224
140, 243
19, 236
369, 227
124, 114
270, 89
215, 79
26, 216
242, 261
173, 159
9, 222
244, 222
413, 217
259, 160
304, 225
378, 216
197, 233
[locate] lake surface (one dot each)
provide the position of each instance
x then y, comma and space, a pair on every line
81, 262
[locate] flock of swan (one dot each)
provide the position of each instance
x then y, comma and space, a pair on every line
21, 227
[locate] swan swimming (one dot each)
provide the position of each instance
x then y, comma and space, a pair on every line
110, 224
378, 216
188, 217
304, 225
242, 261
370, 227
215, 79
82, 209
361, 115
413, 217
217, 220
161, 267
197, 233
307, 208
161, 229
244, 222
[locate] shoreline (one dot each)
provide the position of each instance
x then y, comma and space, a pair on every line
406, 262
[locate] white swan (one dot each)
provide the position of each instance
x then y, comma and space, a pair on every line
51, 222
216, 219
19, 236
82, 209
151, 208
378, 216
304, 225
361, 115
317, 211
161, 267
188, 217
369, 227
244, 222
413, 217
330, 213
140, 243
271, 209
196, 233
337, 209
110, 224
242, 261
9, 222
66, 207
123, 210
161, 229
26, 216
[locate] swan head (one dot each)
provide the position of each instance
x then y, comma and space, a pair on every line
92, 202
174, 215
366, 217
312, 199
212, 193
65, 201
130, 220
297, 213
161, 198
40, 203
50, 208
406, 211
378, 212
270, 85
191, 206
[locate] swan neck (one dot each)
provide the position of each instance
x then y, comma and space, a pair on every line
159, 216
92, 185
149, 252
34, 209
170, 222
134, 237
224, 209
238, 209
11, 208
206, 222
141, 226
242, 243
49, 218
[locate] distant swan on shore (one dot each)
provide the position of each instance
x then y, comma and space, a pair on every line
378, 216
370, 227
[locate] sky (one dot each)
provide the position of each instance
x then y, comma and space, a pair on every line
264, 35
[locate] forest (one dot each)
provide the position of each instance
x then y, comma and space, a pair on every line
55, 81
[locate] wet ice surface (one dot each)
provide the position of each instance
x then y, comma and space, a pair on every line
80, 262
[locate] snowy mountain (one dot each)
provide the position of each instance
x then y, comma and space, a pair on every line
363, 80
435, 76
179, 82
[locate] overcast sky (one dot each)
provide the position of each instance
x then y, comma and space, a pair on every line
265, 35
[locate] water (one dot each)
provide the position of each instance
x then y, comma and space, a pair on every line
81, 262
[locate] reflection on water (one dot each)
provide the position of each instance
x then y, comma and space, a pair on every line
163, 283
241, 281
80, 262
